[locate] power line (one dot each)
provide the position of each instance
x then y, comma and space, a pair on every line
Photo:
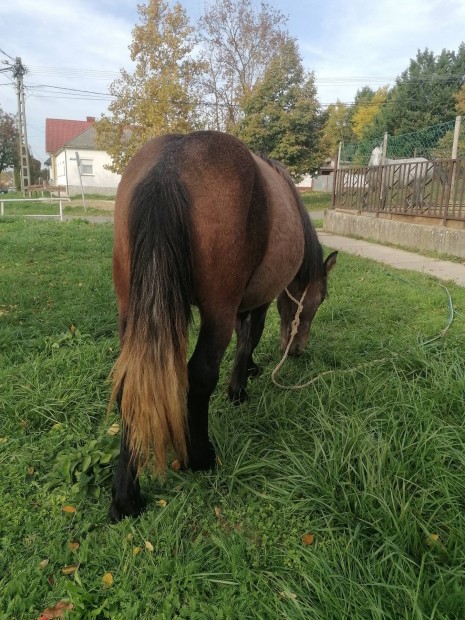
5, 54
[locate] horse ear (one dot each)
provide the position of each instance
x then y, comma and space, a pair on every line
330, 261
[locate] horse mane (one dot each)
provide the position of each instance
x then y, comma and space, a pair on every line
312, 267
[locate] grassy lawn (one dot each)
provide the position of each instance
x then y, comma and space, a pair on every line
74, 207
342, 500
317, 201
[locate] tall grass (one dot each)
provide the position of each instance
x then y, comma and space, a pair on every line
343, 500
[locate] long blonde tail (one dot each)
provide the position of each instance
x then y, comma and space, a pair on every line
151, 370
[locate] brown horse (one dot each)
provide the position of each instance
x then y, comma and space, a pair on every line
199, 220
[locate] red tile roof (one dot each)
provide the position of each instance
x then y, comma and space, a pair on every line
60, 131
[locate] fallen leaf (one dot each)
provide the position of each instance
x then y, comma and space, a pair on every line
70, 569
113, 430
57, 611
74, 546
149, 546
432, 539
218, 461
44, 563
30, 471
286, 594
130, 537
217, 512
308, 539
136, 551
72, 328
69, 509
162, 503
57, 426
107, 580
3, 439
176, 465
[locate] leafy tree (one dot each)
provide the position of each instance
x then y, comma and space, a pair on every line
159, 96
366, 110
460, 100
282, 117
337, 128
9, 141
423, 94
238, 44
34, 169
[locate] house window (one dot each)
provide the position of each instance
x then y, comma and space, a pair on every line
87, 166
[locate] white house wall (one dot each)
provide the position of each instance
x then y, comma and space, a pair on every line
102, 181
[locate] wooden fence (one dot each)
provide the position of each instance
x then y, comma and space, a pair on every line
434, 189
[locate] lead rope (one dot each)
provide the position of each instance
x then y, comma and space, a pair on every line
294, 327
389, 358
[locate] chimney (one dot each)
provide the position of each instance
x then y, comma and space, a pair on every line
90, 119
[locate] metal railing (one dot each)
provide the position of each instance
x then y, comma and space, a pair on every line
422, 189
28, 200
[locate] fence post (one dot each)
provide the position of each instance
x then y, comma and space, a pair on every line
455, 145
61, 211
385, 143
336, 166
453, 181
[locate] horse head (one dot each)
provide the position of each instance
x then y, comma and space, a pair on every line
376, 157
310, 299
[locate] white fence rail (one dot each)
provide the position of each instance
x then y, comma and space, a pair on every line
46, 200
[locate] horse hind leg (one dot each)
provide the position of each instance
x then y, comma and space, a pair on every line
249, 329
203, 369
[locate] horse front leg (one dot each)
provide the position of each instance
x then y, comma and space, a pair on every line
249, 329
203, 369
127, 500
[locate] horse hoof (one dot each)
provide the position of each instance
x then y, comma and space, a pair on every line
203, 460
120, 510
237, 397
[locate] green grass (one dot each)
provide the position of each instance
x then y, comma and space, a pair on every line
371, 462
27, 208
317, 201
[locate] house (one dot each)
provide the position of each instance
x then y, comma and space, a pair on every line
320, 182
75, 157
323, 182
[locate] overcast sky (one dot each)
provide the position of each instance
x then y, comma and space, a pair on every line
82, 44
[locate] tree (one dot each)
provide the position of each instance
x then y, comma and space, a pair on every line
365, 110
337, 128
282, 117
460, 100
238, 45
423, 94
159, 96
9, 141
34, 168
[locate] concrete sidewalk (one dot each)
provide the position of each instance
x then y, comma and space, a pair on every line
400, 259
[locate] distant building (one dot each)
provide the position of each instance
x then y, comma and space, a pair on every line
69, 142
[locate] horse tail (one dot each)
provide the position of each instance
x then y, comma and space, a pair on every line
151, 371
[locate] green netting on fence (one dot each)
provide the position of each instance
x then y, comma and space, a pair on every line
433, 143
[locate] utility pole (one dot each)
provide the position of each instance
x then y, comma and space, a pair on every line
25, 173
